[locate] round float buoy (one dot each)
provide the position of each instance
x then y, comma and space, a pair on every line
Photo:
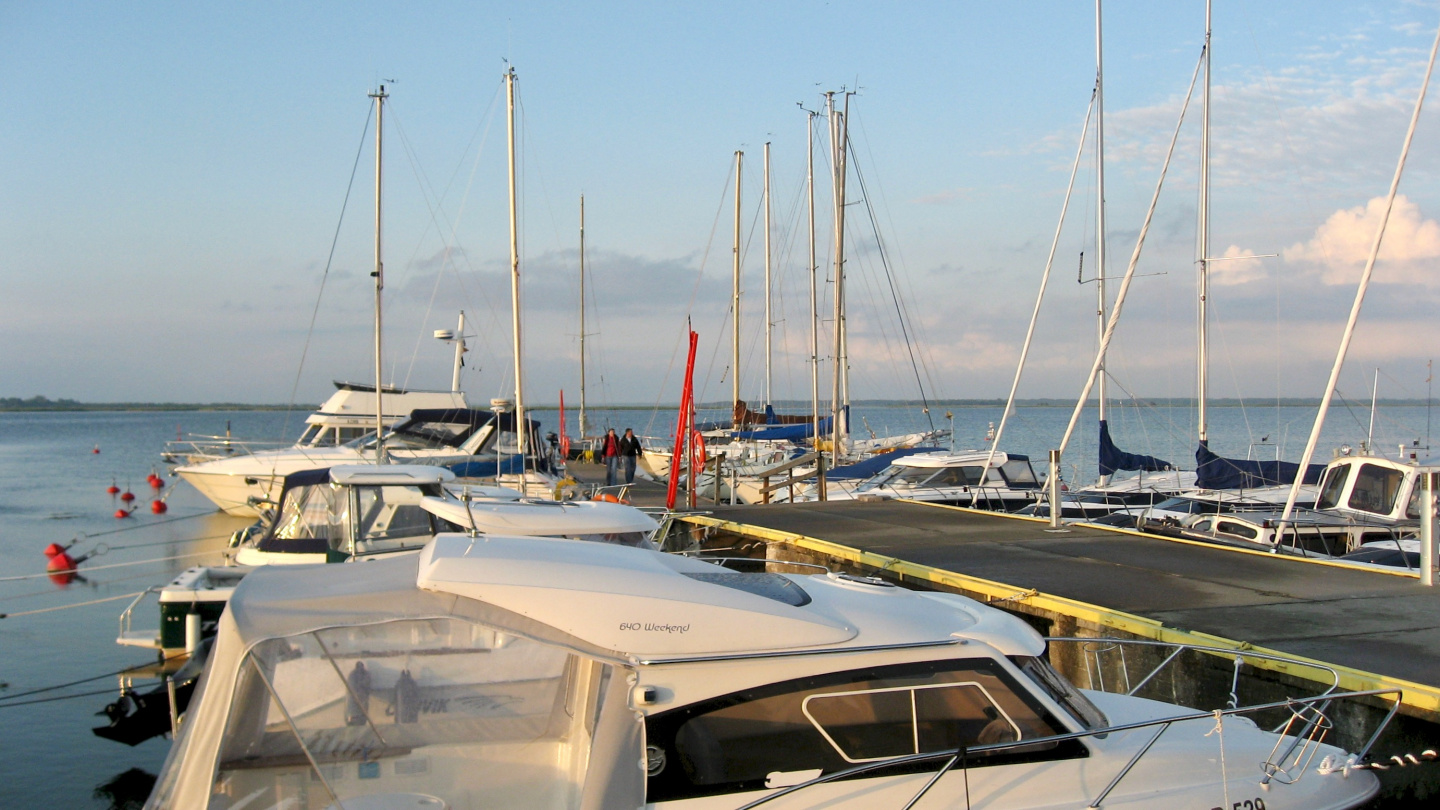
158, 506
121, 513
96, 450
112, 489
60, 561
156, 482
127, 496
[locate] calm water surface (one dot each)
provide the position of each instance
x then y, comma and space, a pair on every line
52, 489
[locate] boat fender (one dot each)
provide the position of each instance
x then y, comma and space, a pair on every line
407, 699
358, 700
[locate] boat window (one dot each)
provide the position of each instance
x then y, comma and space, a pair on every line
957, 477
1060, 690
1237, 530
827, 723
1203, 524
429, 435
1375, 489
1412, 509
1333, 485
457, 708
633, 539
1019, 473
507, 442
307, 438
389, 514
313, 520
350, 434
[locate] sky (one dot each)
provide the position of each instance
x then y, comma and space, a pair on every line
175, 174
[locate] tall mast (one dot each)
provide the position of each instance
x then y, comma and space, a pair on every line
735, 291
379, 274
459, 354
835, 212
842, 131
769, 322
814, 316
1100, 202
1202, 353
521, 428
582, 317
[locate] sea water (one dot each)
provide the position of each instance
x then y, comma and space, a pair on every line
52, 489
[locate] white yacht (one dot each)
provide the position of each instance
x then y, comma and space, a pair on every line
503, 672
483, 440
954, 479
348, 414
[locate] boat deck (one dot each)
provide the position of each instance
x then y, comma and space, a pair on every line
1374, 622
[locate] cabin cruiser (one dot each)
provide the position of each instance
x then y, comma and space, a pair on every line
506, 672
362, 512
483, 440
954, 479
348, 414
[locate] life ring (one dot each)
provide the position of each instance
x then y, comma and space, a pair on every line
607, 498
697, 443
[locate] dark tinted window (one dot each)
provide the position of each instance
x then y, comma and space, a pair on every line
829, 723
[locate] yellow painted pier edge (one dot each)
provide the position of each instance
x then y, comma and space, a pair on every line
1418, 699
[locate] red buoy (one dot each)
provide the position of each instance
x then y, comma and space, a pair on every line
59, 562
156, 482
121, 513
96, 450
158, 506
127, 496
112, 489
54, 549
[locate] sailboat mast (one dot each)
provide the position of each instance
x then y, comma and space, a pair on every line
459, 354
379, 274
521, 428
1202, 354
1100, 200
735, 291
814, 315
837, 214
842, 133
769, 321
582, 317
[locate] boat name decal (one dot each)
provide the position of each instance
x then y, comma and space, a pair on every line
655, 627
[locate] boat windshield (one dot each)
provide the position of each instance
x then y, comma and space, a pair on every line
1412, 510
431, 712
1019, 473
900, 475
1060, 690
1375, 489
316, 519
1333, 486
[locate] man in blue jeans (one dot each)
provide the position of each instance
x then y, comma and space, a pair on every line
630, 453
610, 451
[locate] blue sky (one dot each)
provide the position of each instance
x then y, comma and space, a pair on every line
174, 175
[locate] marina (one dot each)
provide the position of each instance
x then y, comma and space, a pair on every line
805, 549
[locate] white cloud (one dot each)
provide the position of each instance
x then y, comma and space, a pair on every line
1342, 244
1236, 271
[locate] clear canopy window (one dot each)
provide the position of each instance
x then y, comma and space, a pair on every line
1375, 489
421, 709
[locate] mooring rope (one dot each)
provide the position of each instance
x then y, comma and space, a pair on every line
73, 605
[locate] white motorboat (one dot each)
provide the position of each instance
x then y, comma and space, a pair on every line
365, 512
955, 479
348, 414
506, 672
480, 439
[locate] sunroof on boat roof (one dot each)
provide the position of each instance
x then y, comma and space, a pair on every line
770, 586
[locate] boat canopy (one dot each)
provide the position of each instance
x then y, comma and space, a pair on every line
1217, 472
1113, 459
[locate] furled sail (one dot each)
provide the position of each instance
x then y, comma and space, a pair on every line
1216, 472
1113, 458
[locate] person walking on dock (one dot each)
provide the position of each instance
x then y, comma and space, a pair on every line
630, 452
611, 453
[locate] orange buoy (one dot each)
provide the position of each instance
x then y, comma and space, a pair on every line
158, 506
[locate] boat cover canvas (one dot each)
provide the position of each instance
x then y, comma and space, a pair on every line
1113, 458
792, 433
278, 613
1217, 472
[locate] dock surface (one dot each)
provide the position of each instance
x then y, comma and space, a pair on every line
1370, 621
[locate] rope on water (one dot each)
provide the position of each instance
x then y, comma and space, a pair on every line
114, 674
67, 607
78, 570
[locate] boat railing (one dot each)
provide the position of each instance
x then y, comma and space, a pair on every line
1300, 738
129, 611
201, 447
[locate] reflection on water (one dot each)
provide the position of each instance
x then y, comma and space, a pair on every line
126, 790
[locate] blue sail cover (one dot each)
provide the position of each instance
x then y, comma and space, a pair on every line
1113, 458
778, 433
1215, 472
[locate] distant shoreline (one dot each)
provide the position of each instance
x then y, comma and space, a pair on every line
44, 405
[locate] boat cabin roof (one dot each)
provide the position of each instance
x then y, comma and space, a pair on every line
542, 518
372, 475
946, 459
